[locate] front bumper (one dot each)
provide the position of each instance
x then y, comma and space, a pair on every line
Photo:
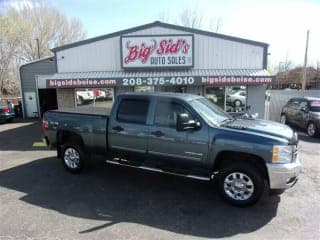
283, 176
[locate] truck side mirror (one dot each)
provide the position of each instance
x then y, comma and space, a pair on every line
185, 123
304, 109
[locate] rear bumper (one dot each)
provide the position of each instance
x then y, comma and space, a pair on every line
283, 176
7, 116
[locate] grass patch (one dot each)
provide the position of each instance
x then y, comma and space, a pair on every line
38, 144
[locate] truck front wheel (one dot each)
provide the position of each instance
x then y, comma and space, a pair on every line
240, 184
73, 157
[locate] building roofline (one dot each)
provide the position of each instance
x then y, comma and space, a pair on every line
165, 25
36, 61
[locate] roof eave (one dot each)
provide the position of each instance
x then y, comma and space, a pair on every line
160, 24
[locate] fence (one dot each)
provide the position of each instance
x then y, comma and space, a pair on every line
276, 99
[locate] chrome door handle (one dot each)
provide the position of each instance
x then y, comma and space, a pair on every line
157, 133
118, 128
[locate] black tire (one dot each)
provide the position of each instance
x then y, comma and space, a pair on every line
9, 120
73, 157
80, 100
241, 174
237, 103
312, 130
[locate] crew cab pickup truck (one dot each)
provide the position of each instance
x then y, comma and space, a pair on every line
180, 134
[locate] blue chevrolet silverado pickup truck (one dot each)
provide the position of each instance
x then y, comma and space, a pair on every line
180, 134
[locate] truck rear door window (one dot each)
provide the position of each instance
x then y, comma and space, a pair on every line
133, 111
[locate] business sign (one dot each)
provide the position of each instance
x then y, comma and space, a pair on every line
160, 81
157, 51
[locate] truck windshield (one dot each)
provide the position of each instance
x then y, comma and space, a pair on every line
209, 111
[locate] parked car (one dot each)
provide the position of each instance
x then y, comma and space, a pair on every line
236, 98
99, 94
84, 96
303, 112
180, 134
109, 93
7, 112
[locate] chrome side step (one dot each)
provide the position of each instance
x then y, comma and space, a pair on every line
159, 170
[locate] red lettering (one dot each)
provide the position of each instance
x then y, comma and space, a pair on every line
132, 55
161, 49
135, 52
175, 47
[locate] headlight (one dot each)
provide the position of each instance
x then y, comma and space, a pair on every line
282, 154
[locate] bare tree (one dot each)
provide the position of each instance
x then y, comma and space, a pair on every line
28, 28
48, 25
193, 18
9, 42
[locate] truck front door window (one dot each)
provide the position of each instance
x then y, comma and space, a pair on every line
166, 114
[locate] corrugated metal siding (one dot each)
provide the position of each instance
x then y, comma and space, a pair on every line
29, 71
209, 53
255, 99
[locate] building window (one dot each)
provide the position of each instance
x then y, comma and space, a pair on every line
175, 89
231, 99
144, 88
94, 97
216, 95
236, 99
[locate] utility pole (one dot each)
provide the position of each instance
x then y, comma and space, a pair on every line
37, 39
304, 74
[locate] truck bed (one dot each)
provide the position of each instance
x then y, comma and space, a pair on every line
105, 112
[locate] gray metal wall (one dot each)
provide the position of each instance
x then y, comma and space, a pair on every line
278, 98
28, 73
255, 99
209, 53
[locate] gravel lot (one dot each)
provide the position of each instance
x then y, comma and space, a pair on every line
39, 200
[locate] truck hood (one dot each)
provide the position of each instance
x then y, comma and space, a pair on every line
264, 127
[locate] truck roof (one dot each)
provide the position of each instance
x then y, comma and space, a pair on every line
182, 96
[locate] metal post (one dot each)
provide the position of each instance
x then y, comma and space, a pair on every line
37, 39
304, 74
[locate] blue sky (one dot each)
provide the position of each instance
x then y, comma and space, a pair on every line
281, 23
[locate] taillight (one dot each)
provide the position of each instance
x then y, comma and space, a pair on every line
6, 110
45, 125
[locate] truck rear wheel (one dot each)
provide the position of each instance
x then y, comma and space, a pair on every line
73, 157
240, 184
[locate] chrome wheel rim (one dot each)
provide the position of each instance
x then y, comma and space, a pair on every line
311, 129
71, 158
237, 103
238, 186
283, 119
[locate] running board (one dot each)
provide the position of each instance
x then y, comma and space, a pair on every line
159, 170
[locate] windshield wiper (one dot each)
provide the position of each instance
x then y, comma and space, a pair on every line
227, 120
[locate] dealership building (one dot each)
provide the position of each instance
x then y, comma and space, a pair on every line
229, 71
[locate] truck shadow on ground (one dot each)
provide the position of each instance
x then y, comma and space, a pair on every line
20, 136
114, 195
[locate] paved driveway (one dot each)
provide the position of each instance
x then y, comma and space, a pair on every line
39, 200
